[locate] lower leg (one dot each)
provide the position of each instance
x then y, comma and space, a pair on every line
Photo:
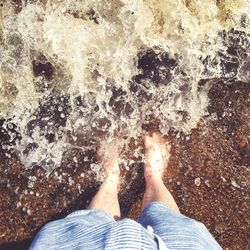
157, 191
107, 196
157, 154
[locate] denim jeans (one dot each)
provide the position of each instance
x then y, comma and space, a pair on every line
96, 229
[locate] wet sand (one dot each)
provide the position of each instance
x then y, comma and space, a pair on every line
206, 115
208, 175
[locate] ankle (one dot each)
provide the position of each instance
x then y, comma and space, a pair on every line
153, 172
112, 180
152, 178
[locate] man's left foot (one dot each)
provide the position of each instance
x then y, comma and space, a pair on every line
109, 154
156, 156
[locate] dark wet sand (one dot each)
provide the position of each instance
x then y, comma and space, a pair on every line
208, 174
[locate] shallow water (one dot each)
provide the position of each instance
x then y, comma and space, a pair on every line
75, 74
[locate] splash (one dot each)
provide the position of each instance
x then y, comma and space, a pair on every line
75, 73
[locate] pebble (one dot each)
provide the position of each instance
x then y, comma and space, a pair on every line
197, 181
65, 203
30, 184
59, 178
224, 180
78, 187
16, 190
7, 155
234, 184
32, 178
71, 181
207, 183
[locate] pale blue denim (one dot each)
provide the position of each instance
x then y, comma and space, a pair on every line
176, 230
96, 229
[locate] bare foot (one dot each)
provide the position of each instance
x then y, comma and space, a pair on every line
156, 155
109, 154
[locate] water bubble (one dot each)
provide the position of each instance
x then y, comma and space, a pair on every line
93, 74
29, 212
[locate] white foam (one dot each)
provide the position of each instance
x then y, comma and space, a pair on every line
93, 53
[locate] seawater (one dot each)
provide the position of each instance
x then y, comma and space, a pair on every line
76, 74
